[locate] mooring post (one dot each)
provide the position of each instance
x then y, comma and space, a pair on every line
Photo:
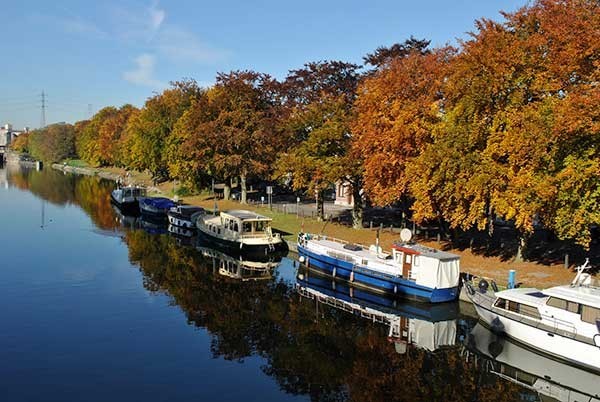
567, 261
512, 275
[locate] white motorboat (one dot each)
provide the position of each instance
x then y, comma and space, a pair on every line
127, 198
241, 231
562, 321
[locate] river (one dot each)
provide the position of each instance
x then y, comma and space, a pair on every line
99, 307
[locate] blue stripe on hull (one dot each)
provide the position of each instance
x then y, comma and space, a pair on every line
377, 280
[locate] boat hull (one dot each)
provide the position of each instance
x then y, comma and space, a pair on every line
179, 221
237, 248
316, 279
127, 208
553, 344
376, 281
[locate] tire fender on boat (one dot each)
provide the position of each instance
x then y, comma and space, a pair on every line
395, 289
334, 271
352, 276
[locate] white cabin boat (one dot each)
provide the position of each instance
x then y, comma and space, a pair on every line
241, 231
127, 198
411, 270
562, 321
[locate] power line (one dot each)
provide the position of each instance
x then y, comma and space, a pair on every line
43, 117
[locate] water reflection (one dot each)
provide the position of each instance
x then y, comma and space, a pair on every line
307, 345
546, 377
426, 326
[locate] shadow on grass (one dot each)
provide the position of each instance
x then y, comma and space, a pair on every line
543, 246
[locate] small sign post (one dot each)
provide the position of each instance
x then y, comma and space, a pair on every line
270, 194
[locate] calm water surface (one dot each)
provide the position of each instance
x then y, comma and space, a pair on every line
95, 307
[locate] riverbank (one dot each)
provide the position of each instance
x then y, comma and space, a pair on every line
529, 273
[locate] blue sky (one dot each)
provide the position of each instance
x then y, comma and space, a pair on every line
116, 52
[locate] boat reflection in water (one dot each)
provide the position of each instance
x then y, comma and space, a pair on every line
185, 237
239, 267
423, 325
126, 221
547, 377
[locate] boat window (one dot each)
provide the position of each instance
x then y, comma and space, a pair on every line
260, 226
416, 261
236, 227
513, 306
247, 227
219, 231
563, 304
590, 314
519, 308
556, 302
530, 311
500, 303
408, 258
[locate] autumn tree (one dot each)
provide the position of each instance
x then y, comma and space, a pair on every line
52, 143
382, 56
396, 110
148, 132
231, 131
88, 143
516, 117
21, 143
319, 99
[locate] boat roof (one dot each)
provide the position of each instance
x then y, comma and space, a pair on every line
588, 295
419, 249
246, 215
529, 296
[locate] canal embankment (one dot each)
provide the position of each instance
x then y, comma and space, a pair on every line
496, 267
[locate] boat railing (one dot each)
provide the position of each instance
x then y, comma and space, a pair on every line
258, 235
561, 327
335, 240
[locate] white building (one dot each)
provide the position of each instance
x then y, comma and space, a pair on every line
8, 135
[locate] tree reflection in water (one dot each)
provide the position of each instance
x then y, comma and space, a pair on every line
325, 353
312, 350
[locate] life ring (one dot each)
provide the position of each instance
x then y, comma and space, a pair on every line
483, 285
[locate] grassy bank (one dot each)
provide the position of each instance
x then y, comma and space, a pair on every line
530, 273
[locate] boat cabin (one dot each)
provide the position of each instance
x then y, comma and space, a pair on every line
568, 306
246, 223
427, 266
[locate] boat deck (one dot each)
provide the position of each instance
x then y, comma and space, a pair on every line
363, 257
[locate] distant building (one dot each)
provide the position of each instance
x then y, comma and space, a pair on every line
8, 135
343, 194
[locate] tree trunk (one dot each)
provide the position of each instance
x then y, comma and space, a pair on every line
227, 189
320, 206
244, 191
522, 247
357, 208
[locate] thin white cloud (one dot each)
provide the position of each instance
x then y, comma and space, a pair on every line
157, 16
70, 23
135, 25
178, 44
143, 74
